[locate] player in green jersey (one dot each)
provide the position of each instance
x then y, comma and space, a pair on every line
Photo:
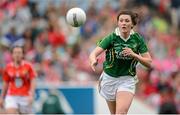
124, 49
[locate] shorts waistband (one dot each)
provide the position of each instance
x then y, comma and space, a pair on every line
120, 77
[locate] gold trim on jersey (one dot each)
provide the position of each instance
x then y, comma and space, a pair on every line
111, 58
131, 67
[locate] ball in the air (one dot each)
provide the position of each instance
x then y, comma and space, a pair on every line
76, 17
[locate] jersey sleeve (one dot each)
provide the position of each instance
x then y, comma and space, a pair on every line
105, 43
142, 46
5, 76
32, 72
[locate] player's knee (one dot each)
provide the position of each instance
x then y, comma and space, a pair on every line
11, 111
113, 112
121, 110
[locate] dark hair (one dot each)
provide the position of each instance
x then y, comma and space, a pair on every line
134, 16
17, 46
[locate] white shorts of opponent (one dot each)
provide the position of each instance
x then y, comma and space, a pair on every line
109, 86
18, 102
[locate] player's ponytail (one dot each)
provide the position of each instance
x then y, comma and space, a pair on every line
135, 18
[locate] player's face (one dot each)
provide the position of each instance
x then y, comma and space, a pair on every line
17, 54
125, 23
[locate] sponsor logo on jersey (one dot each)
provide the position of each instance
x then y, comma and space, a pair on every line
119, 55
18, 82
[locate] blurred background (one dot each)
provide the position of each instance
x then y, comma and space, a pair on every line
59, 52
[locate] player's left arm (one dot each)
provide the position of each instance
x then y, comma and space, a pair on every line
143, 58
33, 87
32, 91
33, 76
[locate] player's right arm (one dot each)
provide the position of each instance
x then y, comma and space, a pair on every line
93, 57
32, 75
3, 93
4, 87
102, 46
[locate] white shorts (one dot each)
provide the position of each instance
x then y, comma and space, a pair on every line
109, 86
18, 102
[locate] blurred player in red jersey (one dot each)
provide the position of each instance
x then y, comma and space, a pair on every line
18, 84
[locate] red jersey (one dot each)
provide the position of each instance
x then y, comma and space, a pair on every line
19, 78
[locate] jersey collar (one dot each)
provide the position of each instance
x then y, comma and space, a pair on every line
117, 32
22, 63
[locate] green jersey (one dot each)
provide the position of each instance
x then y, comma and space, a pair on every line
116, 64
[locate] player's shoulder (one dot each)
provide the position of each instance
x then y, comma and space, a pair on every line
137, 36
108, 37
111, 35
27, 63
8, 65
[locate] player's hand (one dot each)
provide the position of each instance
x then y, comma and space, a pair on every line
128, 52
93, 63
1, 102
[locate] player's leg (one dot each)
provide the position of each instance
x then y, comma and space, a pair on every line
25, 109
111, 106
123, 101
11, 107
107, 89
11, 110
24, 106
125, 94
2, 111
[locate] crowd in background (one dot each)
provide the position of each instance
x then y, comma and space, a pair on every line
60, 52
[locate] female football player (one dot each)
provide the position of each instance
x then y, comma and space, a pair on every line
124, 49
18, 84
